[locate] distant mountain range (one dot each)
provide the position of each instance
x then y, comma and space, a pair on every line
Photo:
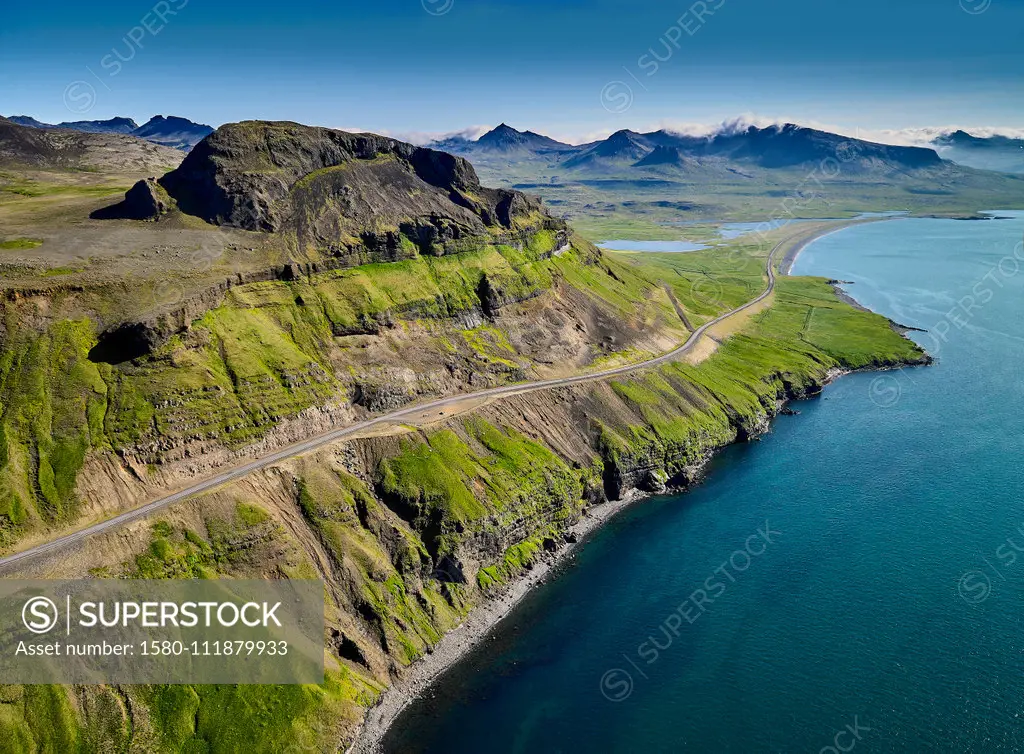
788, 146
170, 131
50, 148
503, 140
660, 177
773, 147
1001, 153
112, 126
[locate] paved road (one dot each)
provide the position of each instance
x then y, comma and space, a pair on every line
68, 540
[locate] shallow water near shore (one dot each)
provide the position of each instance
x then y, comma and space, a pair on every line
855, 573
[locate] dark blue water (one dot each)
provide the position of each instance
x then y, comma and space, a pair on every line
886, 603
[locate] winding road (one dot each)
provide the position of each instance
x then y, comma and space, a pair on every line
49, 548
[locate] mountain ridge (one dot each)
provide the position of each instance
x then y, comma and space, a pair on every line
504, 138
352, 196
770, 147
60, 148
994, 152
170, 131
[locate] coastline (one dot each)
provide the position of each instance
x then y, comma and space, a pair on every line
458, 642
479, 622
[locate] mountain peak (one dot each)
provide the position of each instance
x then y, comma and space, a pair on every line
663, 156
624, 144
504, 138
173, 131
626, 139
957, 137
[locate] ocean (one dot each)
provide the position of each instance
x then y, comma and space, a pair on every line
852, 582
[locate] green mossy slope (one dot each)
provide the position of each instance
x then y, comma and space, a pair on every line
409, 532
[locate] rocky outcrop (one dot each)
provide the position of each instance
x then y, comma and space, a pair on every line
338, 191
146, 200
125, 341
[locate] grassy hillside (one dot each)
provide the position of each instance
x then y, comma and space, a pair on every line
352, 340
410, 531
140, 355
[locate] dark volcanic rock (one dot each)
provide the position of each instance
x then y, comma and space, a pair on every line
124, 343
346, 194
147, 198
144, 201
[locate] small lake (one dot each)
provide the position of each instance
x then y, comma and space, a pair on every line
651, 246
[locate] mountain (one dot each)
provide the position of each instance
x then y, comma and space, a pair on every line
113, 125
774, 147
504, 138
172, 131
621, 146
1002, 153
33, 148
340, 193
792, 145
963, 139
665, 156
26, 120
661, 177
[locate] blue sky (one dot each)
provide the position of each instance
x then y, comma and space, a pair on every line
405, 66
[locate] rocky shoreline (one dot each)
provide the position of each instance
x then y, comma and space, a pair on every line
458, 642
474, 629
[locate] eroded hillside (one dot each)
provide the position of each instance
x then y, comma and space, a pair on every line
111, 396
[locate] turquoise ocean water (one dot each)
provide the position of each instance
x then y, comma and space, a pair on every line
855, 579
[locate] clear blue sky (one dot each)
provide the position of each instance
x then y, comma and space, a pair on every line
441, 65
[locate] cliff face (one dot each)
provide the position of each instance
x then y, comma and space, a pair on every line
410, 530
336, 190
327, 200
265, 360
412, 282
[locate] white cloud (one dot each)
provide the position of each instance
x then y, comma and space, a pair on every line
422, 137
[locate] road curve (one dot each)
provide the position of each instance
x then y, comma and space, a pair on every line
304, 446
